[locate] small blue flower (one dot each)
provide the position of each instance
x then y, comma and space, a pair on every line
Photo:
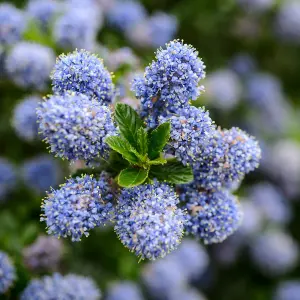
41, 172
12, 24
287, 290
212, 216
124, 290
44, 11
25, 120
125, 14
223, 89
191, 129
29, 65
71, 286
7, 273
78, 206
163, 27
274, 252
227, 158
83, 73
75, 126
7, 178
171, 81
44, 254
148, 221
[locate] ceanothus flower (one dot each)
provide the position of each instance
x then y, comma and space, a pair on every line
125, 14
56, 286
228, 156
43, 11
223, 89
243, 64
7, 273
212, 216
163, 27
75, 126
287, 290
12, 24
147, 220
187, 293
44, 254
76, 28
124, 290
41, 172
78, 206
83, 73
8, 178
191, 129
274, 252
24, 118
29, 65
171, 81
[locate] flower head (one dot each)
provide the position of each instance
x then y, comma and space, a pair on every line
75, 126
78, 206
124, 290
71, 286
82, 73
212, 216
24, 118
287, 290
12, 24
7, 273
29, 65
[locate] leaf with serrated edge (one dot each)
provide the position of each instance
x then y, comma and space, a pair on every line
142, 138
129, 122
131, 177
172, 172
123, 147
158, 139
158, 161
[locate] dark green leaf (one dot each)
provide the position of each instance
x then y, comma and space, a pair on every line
116, 162
158, 139
142, 138
129, 122
131, 177
123, 147
172, 172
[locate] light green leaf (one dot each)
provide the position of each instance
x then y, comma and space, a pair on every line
131, 177
142, 138
158, 161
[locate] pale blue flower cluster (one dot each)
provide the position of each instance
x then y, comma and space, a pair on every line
75, 126
44, 254
29, 65
213, 216
8, 178
7, 273
79, 205
124, 290
71, 286
83, 73
148, 221
243, 64
12, 24
287, 290
191, 130
24, 118
171, 81
41, 172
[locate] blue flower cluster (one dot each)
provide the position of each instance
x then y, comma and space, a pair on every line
24, 118
287, 290
124, 290
148, 221
62, 287
78, 206
75, 126
7, 273
8, 178
83, 73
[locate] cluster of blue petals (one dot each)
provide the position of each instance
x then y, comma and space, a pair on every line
124, 290
75, 126
7, 273
78, 206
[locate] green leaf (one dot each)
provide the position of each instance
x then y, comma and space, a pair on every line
172, 172
123, 147
158, 161
142, 138
158, 139
129, 122
131, 177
